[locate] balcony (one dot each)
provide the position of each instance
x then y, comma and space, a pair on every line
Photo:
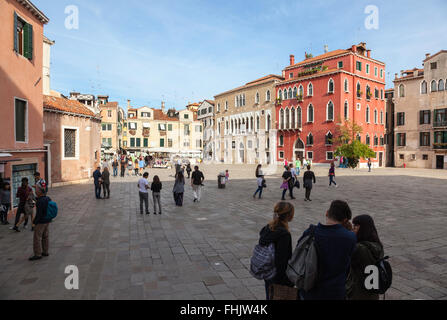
440, 146
440, 124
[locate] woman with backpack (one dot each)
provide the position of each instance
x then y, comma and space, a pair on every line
368, 251
277, 233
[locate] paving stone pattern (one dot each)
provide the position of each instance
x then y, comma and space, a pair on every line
202, 251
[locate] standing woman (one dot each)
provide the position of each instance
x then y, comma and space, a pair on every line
277, 232
179, 189
308, 178
156, 194
287, 184
332, 175
106, 183
368, 251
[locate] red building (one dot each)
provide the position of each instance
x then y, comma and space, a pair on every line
320, 93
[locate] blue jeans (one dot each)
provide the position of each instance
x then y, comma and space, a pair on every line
260, 192
332, 181
98, 190
115, 171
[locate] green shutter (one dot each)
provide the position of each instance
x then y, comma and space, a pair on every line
16, 38
162, 143
28, 41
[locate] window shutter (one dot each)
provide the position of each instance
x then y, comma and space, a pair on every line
28, 35
16, 38
421, 116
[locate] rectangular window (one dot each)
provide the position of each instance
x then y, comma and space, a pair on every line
161, 127
21, 125
424, 117
425, 139
198, 129
359, 66
199, 143
310, 155
132, 142
162, 143
186, 130
376, 71
367, 68
70, 143
145, 114
433, 65
169, 127
145, 142
125, 143
104, 127
381, 73
340, 64
425, 157
23, 37
169, 143
132, 126
109, 127
401, 118
109, 113
329, 155
138, 142
401, 157
401, 140
186, 116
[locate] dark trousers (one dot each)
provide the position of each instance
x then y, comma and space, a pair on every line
290, 192
41, 239
308, 191
178, 198
20, 210
123, 171
268, 284
106, 190
260, 192
98, 190
332, 181
4, 214
144, 197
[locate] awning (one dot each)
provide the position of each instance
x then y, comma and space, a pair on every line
146, 125
5, 155
163, 150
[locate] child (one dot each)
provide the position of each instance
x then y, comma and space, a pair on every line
5, 203
156, 194
261, 186
227, 176
332, 175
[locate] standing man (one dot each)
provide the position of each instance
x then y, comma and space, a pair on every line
298, 166
288, 178
308, 178
143, 186
106, 183
369, 164
197, 179
115, 167
41, 232
97, 176
123, 166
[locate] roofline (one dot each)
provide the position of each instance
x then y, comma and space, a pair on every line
442, 51
34, 10
408, 78
247, 86
71, 113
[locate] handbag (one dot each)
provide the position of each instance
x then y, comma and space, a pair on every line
297, 184
285, 185
280, 292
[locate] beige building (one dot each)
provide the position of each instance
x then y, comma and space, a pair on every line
420, 99
244, 123
163, 131
112, 125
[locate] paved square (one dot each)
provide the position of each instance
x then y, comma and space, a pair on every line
202, 251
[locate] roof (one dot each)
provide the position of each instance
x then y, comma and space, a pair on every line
430, 57
109, 105
66, 105
159, 115
211, 102
259, 81
318, 74
34, 10
320, 57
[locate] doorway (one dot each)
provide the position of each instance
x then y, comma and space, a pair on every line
241, 153
380, 159
299, 150
440, 162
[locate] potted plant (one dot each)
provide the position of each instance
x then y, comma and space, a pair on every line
278, 101
359, 93
300, 98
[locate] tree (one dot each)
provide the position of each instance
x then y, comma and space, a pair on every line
351, 148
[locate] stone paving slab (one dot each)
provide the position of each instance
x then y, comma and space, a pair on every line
202, 251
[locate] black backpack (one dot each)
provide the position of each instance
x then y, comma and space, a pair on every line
385, 276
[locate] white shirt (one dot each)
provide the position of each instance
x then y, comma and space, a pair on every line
293, 171
142, 183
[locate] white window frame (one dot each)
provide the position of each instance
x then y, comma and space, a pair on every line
327, 111
308, 89
333, 85
376, 71
308, 113
368, 114
268, 96
327, 158
312, 155
420, 87
63, 142
367, 68
346, 88
359, 107
344, 104
26, 121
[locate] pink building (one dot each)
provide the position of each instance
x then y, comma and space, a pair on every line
22, 149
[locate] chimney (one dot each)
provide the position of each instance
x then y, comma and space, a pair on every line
395, 76
163, 107
427, 55
368, 53
292, 59
354, 48
128, 103
326, 48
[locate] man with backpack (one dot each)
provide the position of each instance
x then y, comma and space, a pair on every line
335, 244
41, 229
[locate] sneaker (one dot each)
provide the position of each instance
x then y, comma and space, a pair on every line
155, 213
16, 229
45, 255
148, 213
25, 227
34, 258
195, 200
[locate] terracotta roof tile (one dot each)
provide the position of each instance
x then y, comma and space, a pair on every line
159, 115
321, 73
320, 57
66, 105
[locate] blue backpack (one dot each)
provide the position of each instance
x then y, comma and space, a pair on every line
262, 264
51, 211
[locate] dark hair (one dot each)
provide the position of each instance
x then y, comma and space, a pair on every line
196, 168
340, 211
284, 212
25, 180
145, 175
180, 176
156, 179
257, 169
37, 174
309, 167
367, 230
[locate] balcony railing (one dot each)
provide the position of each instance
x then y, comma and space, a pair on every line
440, 146
441, 123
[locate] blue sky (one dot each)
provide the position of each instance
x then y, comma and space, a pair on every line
181, 51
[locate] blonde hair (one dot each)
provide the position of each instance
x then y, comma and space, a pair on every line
284, 212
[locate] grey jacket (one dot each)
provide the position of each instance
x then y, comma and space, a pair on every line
179, 186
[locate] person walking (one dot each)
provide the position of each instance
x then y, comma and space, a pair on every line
304, 163
369, 164
143, 186
42, 224
97, 178
136, 167
130, 166
105, 177
179, 189
5, 202
25, 194
308, 179
123, 166
336, 244
141, 165
277, 232
115, 167
197, 179
332, 175
156, 194
368, 251
188, 170
294, 176
287, 184
298, 165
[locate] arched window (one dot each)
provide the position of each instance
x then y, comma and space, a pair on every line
376, 116
295, 92
329, 138
424, 87
310, 90
310, 139
381, 117
290, 93
299, 117
301, 90
281, 140
434, 86
267, 96
346, 110
376, 140
368, 92
367, 114
287, 118
236, 101
359, 137
292, 118
401, 91
376, 93
258, 123
368, 140
257, 99
281, 117
330, 111
269, 118
310, 114
280, 94
359, 90
381, 94
331, 86
243, 99
346, 85
441, 85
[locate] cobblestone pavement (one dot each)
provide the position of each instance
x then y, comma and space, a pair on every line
202, 251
